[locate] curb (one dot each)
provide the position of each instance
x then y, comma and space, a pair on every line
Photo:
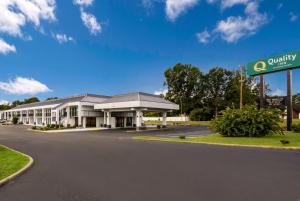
20, 172
221, 144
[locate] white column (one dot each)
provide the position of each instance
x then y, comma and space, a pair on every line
164, 122
104, 119
125, 121
27, 117
108, 119
43, 116
57, 117
79, 115
139, 116
34, 117
84, 122
68, 115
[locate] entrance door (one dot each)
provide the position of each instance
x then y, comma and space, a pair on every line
119, 122
90, 122
128, 121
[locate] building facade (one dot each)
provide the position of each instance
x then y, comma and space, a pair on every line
90, 110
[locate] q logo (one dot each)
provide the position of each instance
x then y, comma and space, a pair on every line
260, 66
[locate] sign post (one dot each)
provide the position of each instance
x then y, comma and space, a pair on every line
289, 119
262, 91
282, 62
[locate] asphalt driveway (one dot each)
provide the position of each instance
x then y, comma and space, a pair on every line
110, 166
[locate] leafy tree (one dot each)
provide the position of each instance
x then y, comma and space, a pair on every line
217, 81
296, 98
232, 91
201, 114
31, 100
183, 82
51, 98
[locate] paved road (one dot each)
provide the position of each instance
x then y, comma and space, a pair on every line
110, 166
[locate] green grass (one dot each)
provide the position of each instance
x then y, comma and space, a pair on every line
268, 141
11, 162
204, 123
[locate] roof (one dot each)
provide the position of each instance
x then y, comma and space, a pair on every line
61, 101
296, 107
136, 96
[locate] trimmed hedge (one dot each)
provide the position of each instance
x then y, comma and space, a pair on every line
248, 122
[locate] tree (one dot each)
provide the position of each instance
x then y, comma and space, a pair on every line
296, 98
232, 91
51, 98
31, 100
183, 82
217, 81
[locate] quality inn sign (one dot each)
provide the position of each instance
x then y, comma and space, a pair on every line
273, 64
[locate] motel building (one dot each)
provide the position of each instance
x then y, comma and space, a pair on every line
90, 110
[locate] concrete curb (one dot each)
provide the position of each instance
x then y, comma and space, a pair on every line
68, 130
21, 171
221, 144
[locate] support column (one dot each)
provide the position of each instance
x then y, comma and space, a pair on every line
79, 115
104, 119
34, 117
262, 91
108, 119
43, 116
139, 116
84, 122
289, 101
164, 122
68, 115
57, 117
27, 116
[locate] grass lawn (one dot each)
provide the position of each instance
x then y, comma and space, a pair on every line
204, 123
10, 162
269, 141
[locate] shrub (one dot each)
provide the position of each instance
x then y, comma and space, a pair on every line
182, 137
296, 127
15, 120
201, 114
249, 122
284, 142
33, 127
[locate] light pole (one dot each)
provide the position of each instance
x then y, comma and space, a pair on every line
242, 70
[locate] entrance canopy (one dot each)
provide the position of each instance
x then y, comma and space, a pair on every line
136, 101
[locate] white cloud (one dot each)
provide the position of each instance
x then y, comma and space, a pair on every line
4, 102
90, 21
293, 17
161, 92
16, 13
203, 37
6, 48
83, 2
277, 92
62, 38
174, 8
235, 28
22, 86
279, 6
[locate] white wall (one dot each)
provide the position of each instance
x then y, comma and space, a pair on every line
168, 119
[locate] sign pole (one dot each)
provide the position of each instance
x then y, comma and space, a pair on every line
289, 100
262, 91
242, 68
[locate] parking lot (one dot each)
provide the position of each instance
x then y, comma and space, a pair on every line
110, 166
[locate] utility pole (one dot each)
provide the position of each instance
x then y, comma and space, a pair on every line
262, 91
242, 70
289, 118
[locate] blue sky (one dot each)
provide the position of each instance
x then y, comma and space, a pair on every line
64, 47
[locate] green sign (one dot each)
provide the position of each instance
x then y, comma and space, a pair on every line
273, 64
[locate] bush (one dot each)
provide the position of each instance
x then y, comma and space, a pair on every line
201, 114
182, 137
296, 127
15, 120
249, 122
284, 142
33, 127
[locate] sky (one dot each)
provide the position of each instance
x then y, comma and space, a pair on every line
58, 48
